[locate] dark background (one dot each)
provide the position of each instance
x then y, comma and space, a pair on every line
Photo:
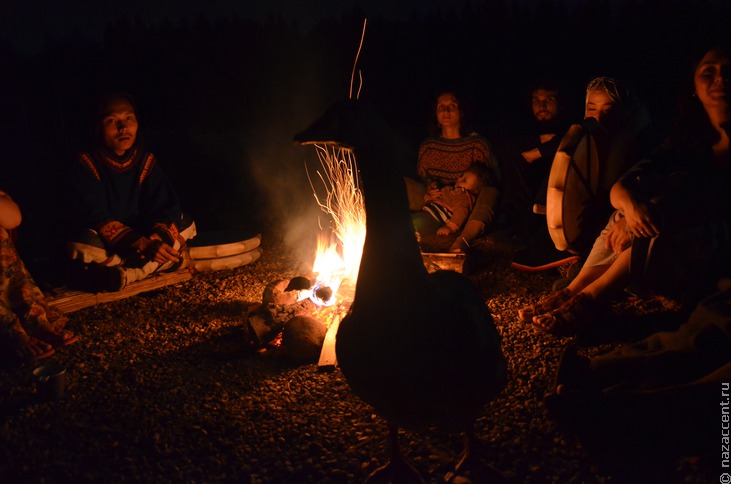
221, 95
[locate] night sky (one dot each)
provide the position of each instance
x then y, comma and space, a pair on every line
223, 85
26, 22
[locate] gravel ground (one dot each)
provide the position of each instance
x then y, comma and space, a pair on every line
165, 387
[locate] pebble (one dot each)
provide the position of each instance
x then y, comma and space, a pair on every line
165, 390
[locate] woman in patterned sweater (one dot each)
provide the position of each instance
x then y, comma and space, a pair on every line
444, 157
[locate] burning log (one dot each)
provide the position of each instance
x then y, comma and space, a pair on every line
299, 283
267, 321
302, 338
443, 261
324, 293
300, 302
279, 292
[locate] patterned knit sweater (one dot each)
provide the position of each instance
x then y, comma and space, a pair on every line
443, 160
124, 197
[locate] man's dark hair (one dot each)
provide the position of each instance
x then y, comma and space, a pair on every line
102, 105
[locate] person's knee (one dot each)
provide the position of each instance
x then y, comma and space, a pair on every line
87, 246
415, 192
485, 205
424, 223
188, 228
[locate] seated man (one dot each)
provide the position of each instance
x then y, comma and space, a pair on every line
614, 135
127, 215
526, 160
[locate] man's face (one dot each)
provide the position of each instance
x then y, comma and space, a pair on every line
119, 126
545, 104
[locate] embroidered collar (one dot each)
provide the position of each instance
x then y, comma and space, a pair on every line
117, 162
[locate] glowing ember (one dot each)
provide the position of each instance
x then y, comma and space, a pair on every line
340, 246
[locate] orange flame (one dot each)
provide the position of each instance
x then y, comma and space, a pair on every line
340, 246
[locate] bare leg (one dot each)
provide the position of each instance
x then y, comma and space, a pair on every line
579, 312
586, 277
612, 280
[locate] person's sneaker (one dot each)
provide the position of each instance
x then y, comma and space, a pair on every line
96, 277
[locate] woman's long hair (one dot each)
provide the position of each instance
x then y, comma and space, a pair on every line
466, 126
692, 129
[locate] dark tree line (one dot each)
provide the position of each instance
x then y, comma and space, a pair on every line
220, 98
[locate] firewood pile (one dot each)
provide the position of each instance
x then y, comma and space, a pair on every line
297, 318
316, 318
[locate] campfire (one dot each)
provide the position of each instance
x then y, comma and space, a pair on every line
302, 314
340, 246
316, 302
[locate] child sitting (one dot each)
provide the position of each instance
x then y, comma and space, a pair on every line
446, 209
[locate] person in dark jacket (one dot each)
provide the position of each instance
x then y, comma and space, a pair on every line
129, 219
526, 158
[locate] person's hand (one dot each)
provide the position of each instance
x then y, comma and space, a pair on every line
531, 155
546, 137
459, 246
432, 194
156, 250
32, 349
10, 216
444, 231
639, 222
618, 237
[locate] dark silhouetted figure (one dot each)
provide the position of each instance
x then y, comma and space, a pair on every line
420, 348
